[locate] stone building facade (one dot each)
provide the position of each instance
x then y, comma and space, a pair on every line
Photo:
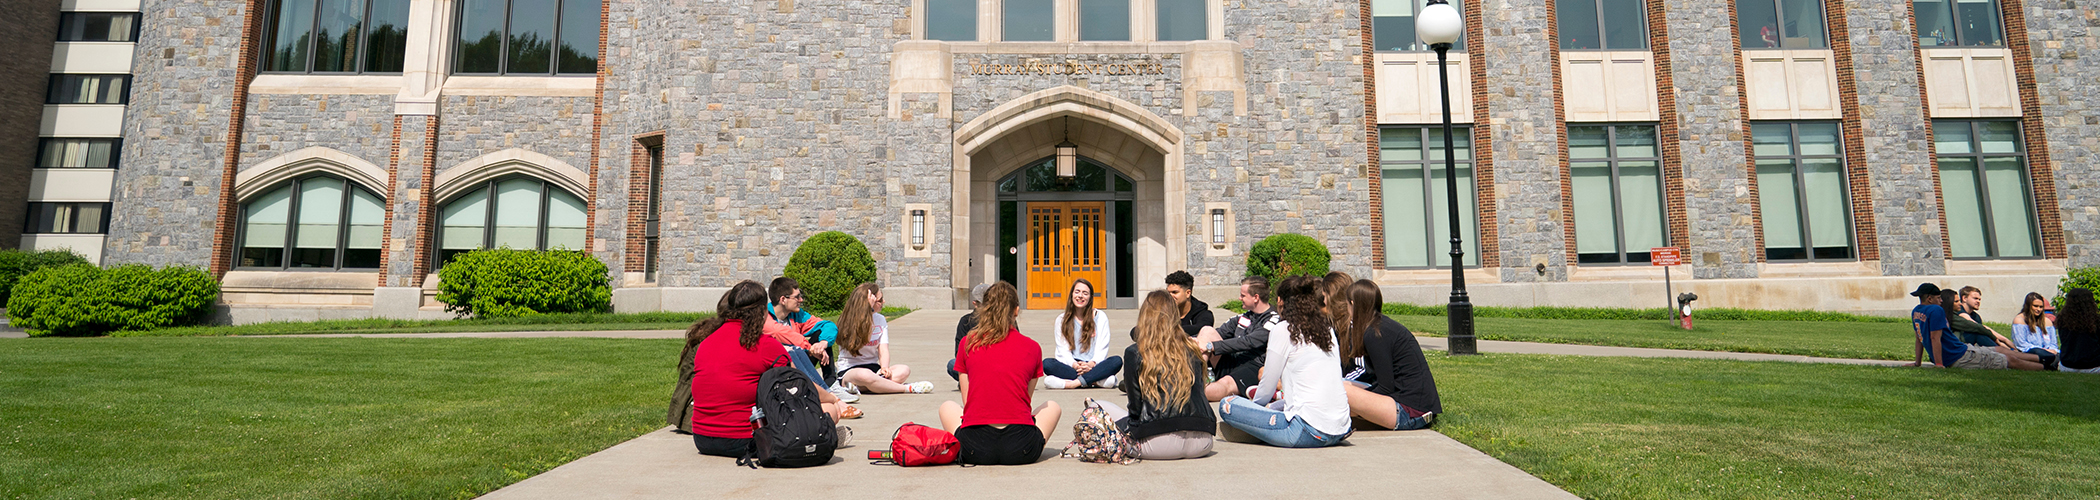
693, 143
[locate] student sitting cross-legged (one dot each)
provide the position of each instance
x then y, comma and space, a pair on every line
1168, 418
1082, 345
998, 368
1390, 385
732, 353
864, 347
1303, 362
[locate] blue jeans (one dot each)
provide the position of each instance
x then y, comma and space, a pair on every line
800, 359
951, 371
1273, 427
1102, 369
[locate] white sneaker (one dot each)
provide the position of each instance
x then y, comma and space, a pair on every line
845, 435
920, 387
845, 394
1053, 382
1107, 383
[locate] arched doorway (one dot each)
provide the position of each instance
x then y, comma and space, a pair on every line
1056, 230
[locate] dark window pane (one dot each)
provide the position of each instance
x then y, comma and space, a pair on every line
291, 35
531, 36
1833, 252
1027, 20
1009, 239
1126, 262
77, 153
951, 20
579, 37
1625, 26
1794, 253
1577, 22
96, 26
1183, 20
1104, 20
387, 38
1979, 23
88, 89
67, 218
1758, 21
335, 40
480, 36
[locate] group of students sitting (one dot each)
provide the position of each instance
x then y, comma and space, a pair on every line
1953, 335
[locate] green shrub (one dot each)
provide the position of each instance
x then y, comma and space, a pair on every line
828, 265
14, 264
84, 300
1285, 255
504, 282
2078, 277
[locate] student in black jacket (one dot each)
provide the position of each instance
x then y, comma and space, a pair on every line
1168, 418
1391, 385
1236, 348
1195, 315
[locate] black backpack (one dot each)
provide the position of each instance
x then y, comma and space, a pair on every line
793, 430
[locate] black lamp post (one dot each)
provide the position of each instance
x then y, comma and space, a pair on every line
1440, 25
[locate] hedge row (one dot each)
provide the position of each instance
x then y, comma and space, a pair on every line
84, 300
502, 282
14, 264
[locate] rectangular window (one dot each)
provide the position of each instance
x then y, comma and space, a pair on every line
1393, 25
89, 89
1182, 20
67, 218
1801, 190
1027, 20
1601, 24
652, 221
1963, 23
1617, 181
1417, 211
1781, 24
1104, 20
336, 36
527, 37
98, 26
951, 20
1984, 187
54, 152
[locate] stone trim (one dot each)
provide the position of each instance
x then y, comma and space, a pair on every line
2040, 170
1484, 195
1373, 170
425, 233
1666, 134
1865, 232
466, 174
244, 72
386, 228
254, 179
1932, 152
1066, 99
636, 239
325, 84
1742, 95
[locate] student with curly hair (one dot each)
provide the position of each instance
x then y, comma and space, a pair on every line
1303, 362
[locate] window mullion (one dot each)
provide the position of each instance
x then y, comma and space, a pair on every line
488, 222
342, 226
554, 52
291, 226
312, 43
502, 68
540, 233
364, 30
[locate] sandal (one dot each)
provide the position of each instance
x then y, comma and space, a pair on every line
850, 413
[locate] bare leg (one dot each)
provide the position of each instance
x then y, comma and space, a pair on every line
951, 416
1372, 406
1224, 386
2012, 354
898, 373
834, 409
867, 379
1045, 418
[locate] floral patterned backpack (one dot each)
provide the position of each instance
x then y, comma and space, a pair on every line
1096, 439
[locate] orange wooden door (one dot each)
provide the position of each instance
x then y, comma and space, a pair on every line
1066, 242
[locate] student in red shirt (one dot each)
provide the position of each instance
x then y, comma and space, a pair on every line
998, 368
732, 353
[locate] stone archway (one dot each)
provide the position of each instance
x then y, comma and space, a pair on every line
1139, 144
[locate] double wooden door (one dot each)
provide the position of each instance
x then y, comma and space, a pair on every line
1067, 241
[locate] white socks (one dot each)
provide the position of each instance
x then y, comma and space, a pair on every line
1054, 382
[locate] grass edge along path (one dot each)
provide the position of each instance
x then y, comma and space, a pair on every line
534, 323
1838, 339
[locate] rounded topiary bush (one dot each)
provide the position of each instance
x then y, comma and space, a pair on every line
14, 264
2077, 277
84, 300
504, 282
1285, 255
829, 265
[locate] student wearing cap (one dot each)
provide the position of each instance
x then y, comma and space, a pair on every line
964, 325
1929, 322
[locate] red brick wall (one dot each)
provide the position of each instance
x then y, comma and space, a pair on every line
1864, 226
222, 239
1666, 128
386, 228
1372, 170
1483, 141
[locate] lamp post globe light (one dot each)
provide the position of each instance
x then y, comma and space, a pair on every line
1440, 25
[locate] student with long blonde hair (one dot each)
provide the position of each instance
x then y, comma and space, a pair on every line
1168, 417
864, 346
1082, 345
998, 367
1334, 290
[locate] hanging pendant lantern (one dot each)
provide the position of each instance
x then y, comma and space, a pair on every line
1067, 154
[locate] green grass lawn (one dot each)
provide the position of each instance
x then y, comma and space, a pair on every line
1681, 428
334, 418
1831, 339
535, 323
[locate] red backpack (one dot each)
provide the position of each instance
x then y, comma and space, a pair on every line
914, 445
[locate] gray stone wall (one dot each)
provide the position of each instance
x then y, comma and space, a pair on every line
2064, 42
1526, 138
1894, 129
360, 125
559, 127
183, 75
1717, 200
25, 33
407, 202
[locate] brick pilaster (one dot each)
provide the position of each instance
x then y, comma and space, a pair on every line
244, 71
1373, 170
393, 188
1864, 229
2040, 170
1484, 195
1666, 128
1560, 137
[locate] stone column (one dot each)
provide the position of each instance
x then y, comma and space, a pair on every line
1721, 228
1898, 138
1524, 124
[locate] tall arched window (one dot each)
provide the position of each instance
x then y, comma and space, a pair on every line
528, 214
318, 221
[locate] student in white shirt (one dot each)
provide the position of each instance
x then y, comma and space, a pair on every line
1082, 345
1304, 362
864, 347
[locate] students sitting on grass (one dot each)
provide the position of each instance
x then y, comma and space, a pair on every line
1236, 347
1082, 339
1389, 380
732, 353
2079, 324
1168, 418
1303, 362
864, 346
1963, 318
1936, 339
994, 423
963, 326
2034, 333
